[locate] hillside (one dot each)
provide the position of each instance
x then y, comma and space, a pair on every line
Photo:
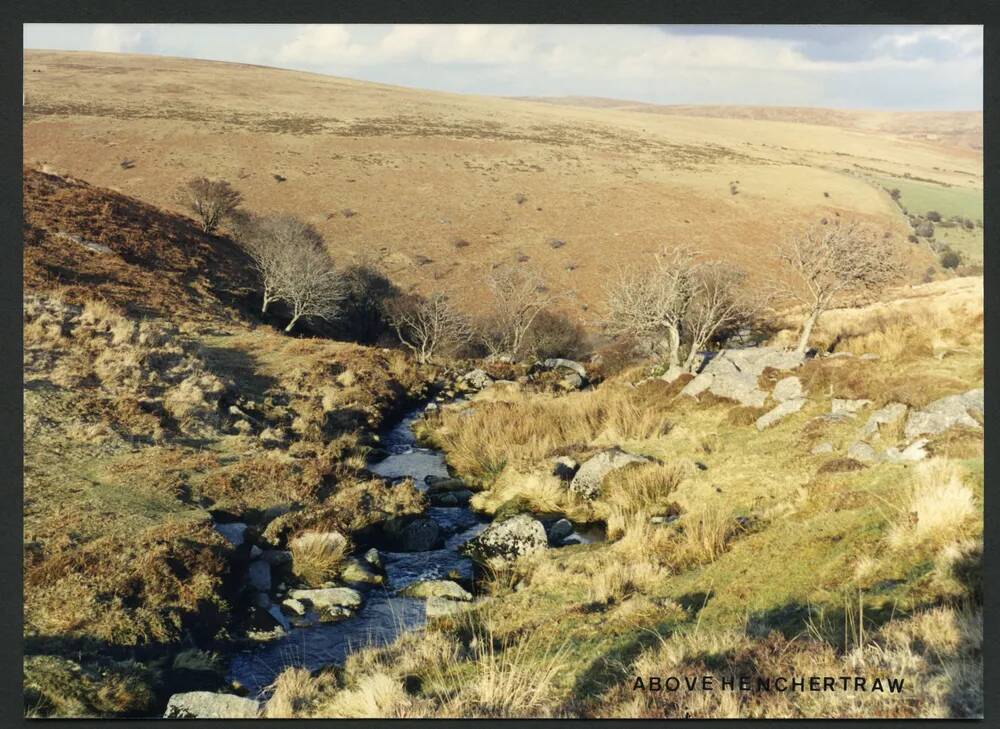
961, 130
440, 187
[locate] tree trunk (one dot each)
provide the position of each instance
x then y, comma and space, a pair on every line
807, 328
674, 340
267, 303
689, 361
292, 323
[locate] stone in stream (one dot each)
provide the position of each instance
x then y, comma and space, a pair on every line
209, 705
359, 571
437, 485
295, 607
373, 558
412, 534
507, 540
259, 575
451, 498
446, 589
560, 530
233, 532
441, 607
588, 479
326, 597
276, 557
334, 613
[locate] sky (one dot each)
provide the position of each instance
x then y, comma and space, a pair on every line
906, 67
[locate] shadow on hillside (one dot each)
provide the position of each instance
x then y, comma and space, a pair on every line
240, 366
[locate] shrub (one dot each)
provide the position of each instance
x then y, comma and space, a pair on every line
924, 229
553, 334
934, 216
950, 258
209, 200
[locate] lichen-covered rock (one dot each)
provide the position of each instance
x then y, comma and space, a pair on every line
861, 451
557, 363
446, 589
209, 705
507, 540
477, 378
781, 411
359, 571
841, 406
822, 448
946, 413
912, 453
326, 597
883, 416
789, 388
588, 479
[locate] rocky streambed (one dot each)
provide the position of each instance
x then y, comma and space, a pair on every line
415, 568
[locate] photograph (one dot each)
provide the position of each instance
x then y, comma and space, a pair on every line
500, 371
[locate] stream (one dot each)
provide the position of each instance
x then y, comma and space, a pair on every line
384, 614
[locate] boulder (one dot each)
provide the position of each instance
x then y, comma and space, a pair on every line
883, 416
477, 379
276, 557
911, 454
840, 406
446, 589
698, 385
451, 498
861, 451
789, 388
440, 607
334, 613
672, 373
753, 361
293, 606
507, 540
560, 530
781, 411
588, 479
565, 468
359, 571
739, 386
259, 575
209, 705
412, 534
327, 597
373, 558
572, 381
822, 448
279, 617
232, 533
946, 413
557, 363
438, 485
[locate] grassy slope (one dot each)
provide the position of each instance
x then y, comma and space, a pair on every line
823, 537
132, 359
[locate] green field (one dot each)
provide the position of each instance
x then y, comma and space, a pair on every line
920, 197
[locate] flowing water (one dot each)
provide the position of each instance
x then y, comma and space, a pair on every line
384, 614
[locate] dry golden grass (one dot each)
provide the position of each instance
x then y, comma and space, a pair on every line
296, 691
376, 696
316, 557
523, 431
939, 507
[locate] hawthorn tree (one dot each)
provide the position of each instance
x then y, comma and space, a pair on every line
425, 325
209, 200
837, 263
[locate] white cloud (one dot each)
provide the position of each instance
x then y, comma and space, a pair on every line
113, 38
880, 66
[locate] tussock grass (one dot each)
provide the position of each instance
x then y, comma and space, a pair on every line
317, 556
524, 430
295, 692
938, 508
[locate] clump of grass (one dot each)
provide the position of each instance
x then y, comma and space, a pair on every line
295, 693
704, 535
317, 556
938, 507
615, 582
375, 696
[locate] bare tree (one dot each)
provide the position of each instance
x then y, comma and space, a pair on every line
519, 294
209, 200
838, 263
311, 285
426, 325
273, 244
719, 303
651, 303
